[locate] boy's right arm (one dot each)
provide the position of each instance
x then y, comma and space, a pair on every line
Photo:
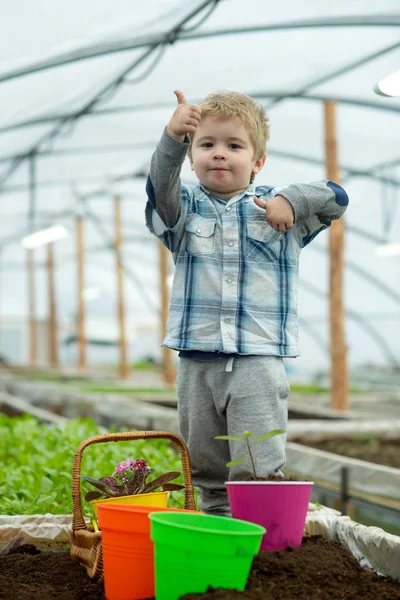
163, 183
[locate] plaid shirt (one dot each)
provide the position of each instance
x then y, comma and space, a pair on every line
236, 278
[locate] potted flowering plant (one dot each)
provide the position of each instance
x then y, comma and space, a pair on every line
277, 503
128, 484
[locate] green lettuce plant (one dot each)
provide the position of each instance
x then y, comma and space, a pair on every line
36, 464
245, 439
129, 478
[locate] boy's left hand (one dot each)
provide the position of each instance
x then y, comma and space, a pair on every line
278, 212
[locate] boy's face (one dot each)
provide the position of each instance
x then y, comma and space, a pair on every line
223, 156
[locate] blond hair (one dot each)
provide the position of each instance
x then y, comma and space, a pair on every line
227, 105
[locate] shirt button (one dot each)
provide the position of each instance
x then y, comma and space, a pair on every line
227, 320
229, 280
231, 244
228, 208
198, 230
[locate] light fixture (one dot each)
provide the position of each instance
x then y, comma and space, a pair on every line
389, 249
45, 236
389, 86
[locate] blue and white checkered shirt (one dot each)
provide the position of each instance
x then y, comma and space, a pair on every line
236, 278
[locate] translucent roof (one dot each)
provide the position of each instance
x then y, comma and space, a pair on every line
87, 87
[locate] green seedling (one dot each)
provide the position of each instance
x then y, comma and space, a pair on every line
245, 439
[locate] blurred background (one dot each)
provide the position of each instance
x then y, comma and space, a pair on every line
86, 90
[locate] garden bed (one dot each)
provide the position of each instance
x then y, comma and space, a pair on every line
319, 569
372, 480
382, 449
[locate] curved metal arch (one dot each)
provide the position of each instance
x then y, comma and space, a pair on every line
113, 84
177, 32
368, 328
101, 49
72, 183
377, 283
347, 171
338, 72
318, 98
314, 333
51, 118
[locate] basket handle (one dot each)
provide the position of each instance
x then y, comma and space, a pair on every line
78, 521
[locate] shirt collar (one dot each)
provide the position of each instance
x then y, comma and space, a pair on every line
203, 194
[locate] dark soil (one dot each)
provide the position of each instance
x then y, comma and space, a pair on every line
319, 570
380, 450
274, 477
26, 574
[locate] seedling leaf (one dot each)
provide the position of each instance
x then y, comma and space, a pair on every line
235, 462
269, 434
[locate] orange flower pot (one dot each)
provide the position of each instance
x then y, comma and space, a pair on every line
128, 552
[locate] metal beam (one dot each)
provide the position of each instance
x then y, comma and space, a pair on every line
50, 136
287, 94
32, 191
104, 48
387, 164
370, 330
374, 281
110, 87
338, 72
81, 151
261, 95
349, 172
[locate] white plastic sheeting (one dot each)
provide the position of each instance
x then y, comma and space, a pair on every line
374, 548
49, 533
366, 477
289, 55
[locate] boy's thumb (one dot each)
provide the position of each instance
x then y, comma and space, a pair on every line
180, 97
260, 203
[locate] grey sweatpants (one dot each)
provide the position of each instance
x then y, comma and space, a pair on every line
212, 400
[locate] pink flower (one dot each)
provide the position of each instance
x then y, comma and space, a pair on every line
122, 466
131, 465
141, 465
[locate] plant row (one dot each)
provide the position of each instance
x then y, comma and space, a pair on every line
36, 463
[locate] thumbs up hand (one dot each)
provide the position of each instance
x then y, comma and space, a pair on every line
185, 118
278, 212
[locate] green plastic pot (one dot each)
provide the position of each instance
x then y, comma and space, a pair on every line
194, 551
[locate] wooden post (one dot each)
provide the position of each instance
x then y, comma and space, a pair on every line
81, 331
167, 365
53, 345
339, 375
123, 363
32, 325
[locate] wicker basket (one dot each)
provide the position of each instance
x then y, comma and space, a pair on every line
86, 543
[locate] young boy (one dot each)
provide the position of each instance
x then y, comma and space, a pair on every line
233, 312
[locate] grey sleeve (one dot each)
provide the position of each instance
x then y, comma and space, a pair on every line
324, 199
315, 206
163, 186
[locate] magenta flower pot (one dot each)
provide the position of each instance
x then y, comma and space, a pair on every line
279, 506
